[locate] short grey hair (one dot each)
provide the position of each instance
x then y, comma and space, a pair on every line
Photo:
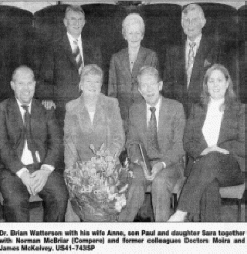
75, 8
194, 7
133, 18
148, 70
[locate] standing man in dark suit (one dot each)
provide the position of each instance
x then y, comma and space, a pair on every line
29, 149
158, 124
186, 64
61, 68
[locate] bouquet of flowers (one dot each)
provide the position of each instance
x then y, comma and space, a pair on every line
98, 187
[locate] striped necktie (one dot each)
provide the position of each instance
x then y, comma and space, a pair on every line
77, 56
191, 58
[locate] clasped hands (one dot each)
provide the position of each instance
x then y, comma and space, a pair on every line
35, 181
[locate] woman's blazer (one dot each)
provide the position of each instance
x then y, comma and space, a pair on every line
231, 137
123, 82
80, 132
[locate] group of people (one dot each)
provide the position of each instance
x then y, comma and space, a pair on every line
200, 117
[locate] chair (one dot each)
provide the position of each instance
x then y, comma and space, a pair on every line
236, 193
178, 186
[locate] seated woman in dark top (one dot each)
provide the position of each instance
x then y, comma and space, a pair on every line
214, 139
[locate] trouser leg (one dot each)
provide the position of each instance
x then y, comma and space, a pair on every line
55, 196
211, 203
213, 166
135, 197
16, 197
162, 188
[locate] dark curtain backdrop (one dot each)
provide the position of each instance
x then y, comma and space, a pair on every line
24, 37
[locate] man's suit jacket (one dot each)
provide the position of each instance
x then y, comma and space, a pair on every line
231, 137
122, 82
170, 129
44, 130
175, 76
59, 77
80, 132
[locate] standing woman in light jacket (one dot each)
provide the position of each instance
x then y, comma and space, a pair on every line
214, 139
127, 62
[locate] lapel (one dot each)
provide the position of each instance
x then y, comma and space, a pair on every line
68, 51
36, 113
139, 61
181, 61
16, 123
164, 122
142, 122
84, 118
199, 60
15, 115
228, 118
125, 62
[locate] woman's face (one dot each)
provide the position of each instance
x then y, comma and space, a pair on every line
91, 85
217, 85
133, 35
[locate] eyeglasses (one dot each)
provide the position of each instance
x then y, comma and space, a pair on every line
75, 21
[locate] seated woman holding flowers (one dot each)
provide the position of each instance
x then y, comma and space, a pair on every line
93, 139
214, 139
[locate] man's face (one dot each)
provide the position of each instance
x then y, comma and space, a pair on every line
74, 22
192, 24
150, 88
23, 86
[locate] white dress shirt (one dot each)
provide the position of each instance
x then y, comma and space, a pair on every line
195, 49
212, 123
27, 157
157, 113
72, 45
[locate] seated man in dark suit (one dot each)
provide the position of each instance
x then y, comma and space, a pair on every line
30, 147
187, 63
158, 124
61, 68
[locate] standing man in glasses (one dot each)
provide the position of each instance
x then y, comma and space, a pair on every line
187, 63
63, 61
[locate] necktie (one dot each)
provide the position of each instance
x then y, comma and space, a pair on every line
27, 132
77, 56
152, 144
191, 58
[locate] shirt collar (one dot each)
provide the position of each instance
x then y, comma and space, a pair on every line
157, 106
71, 38
197, 41
20, 105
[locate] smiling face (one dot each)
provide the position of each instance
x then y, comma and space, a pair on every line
133, 35
91, 85
23, 85
74, 22
150, 88
217, 85
192, 24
